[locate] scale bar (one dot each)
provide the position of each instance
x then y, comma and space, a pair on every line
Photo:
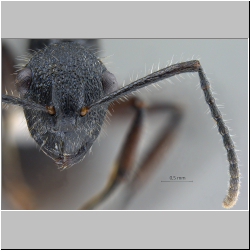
176, 181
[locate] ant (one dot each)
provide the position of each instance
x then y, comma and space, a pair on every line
66, 91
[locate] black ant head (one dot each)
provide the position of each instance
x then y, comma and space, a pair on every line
65, 78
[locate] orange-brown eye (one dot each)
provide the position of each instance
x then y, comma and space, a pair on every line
51, 110
83, 111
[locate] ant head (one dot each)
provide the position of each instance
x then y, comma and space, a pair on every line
65, 78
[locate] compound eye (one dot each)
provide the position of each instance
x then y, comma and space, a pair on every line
51, 110
83, 111
109, 82
23, 80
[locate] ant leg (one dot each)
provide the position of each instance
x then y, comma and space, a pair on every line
161, 145
153, 156
14, 185
122, 170
124, 164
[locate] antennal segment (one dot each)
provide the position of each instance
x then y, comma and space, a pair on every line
23, 103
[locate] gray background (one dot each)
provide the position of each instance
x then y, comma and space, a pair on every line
160, 19
197, 153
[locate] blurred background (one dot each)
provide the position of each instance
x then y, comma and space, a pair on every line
196, 154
